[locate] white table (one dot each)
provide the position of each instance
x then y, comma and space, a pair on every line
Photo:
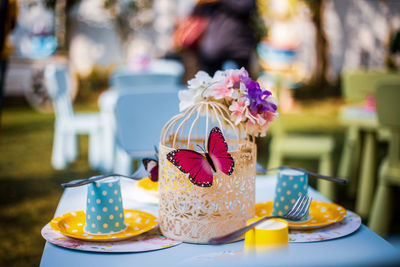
363, 247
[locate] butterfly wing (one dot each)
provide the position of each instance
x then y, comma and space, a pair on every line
193, 163
218, 151
154, 174
151, 166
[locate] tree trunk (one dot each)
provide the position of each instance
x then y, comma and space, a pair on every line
60, 10
321, 45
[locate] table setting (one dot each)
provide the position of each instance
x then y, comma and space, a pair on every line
199, 200
326, 220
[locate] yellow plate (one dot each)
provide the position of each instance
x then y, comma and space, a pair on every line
148, 184
321, 214
71, 224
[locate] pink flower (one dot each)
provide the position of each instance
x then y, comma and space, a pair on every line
239, 109
223, 89
227, 84
235, 76
258, 124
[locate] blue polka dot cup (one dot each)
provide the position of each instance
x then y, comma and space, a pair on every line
291, 184
104, 210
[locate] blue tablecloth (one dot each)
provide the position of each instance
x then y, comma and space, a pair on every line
361, 248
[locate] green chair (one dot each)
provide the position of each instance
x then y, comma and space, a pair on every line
305, 146
356, 85
285, 144
388, 110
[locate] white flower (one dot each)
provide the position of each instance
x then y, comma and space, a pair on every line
196, 86
243, 89
219, 76
200, 81
188, 98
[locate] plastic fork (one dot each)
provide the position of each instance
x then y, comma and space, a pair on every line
139, 174
296, 213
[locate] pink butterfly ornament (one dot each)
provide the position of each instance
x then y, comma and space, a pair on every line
200, 168
151, 167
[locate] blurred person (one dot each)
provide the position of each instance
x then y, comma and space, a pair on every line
229, 35
8, 17
188, 33
395, 44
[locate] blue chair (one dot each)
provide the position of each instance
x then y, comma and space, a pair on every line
68, 124
126, 80
167, 66
159, 72
108, 101
139, 119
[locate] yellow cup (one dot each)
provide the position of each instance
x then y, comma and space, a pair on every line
268, 235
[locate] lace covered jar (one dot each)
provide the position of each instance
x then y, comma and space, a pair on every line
192, 213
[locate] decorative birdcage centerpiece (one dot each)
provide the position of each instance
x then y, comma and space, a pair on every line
207, 156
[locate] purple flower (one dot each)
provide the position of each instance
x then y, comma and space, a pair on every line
258, 98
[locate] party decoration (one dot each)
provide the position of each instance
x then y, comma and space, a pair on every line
148, 241
200, 168
328, 221
71, 224
151, 166
209, 194
104, 208
291, 184
321, 215
268, 235
148, 168
249, 105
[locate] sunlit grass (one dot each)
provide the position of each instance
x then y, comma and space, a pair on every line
29, 186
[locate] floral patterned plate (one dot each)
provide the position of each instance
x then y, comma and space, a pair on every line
71, 224
151, 240
321, 214
348, 225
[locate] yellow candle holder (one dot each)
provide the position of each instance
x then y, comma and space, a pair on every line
271, 234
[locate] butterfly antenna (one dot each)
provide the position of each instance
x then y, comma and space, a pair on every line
201, 148
156, 154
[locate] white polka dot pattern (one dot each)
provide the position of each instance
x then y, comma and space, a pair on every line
290, 185
103, 207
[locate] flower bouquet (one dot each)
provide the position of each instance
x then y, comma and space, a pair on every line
210, 192
249, 104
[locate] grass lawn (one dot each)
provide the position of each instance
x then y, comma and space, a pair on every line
29, 186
